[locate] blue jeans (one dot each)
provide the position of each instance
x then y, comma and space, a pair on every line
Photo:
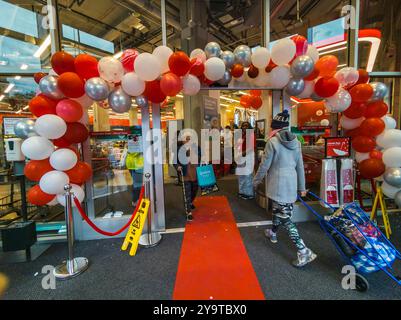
137, 178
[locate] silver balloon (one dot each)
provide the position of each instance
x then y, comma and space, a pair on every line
302, 66
228, 58
97, 89
141, 101
119, 101
315, 97
226, 78
380, 90
25, 128
295, 86
243, 55
393, 177
212, 49
397, 199
48, 86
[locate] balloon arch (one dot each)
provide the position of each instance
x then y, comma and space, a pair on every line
292, 65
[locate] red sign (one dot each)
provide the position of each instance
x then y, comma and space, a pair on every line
338, 147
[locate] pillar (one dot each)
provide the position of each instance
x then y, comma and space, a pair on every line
133, 116
100, 118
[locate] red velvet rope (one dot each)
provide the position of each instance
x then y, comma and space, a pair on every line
106, 233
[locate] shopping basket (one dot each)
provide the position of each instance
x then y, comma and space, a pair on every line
370, 253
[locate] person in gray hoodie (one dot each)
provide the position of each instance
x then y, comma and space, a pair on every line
283, 163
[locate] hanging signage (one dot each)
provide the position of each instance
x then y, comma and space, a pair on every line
337, 147
9, 123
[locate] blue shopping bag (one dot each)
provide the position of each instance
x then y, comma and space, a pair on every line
205, 175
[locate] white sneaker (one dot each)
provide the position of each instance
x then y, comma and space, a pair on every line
269, 234
304, 258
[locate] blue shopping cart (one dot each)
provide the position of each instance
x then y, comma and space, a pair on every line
359, 240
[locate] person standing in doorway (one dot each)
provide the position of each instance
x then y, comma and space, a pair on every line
247, 151
283, 163
134, 163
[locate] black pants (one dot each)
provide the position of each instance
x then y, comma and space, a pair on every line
191, 189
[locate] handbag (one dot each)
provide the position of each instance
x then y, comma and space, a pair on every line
205, 175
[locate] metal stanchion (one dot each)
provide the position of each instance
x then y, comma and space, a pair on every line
73, 266
149, 239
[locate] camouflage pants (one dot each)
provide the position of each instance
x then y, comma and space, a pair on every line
282, 214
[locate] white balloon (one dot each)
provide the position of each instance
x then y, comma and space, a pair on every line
347, 76
308, 90
53, 182
132, 84
50, 126
359, 157
37, 148
312, 52
198, 53
163, 53
280, 76
263, 79
339, 102
214, 69
63, 159
349, 124
389, 138
389, 190
190, 85
110, 69
84, 101
283, 51
79, 193
389, 122
53, 202
392, 157
147, 66
261, 57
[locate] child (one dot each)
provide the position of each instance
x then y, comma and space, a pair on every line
283, 163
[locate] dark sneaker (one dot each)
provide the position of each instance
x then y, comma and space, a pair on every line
269, 234
192, 206
304, 258
190, 216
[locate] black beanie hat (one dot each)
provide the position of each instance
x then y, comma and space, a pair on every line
281, 120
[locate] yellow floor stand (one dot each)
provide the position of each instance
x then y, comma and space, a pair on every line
136, 227
379, 199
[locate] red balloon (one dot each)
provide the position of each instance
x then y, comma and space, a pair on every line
363, 76
327, 66
270, 66
237, 70
301, 44
246, 101
253, 72
363, 144
371, 168
376, 154
255, 92
38, 76
69, 110
86, 66
376, 109
61, 142
326, 87
62, 62
197, 67
256, 102
314, 74
170, 84
372, 127
353, 133
71, 85
81, 173
153, 92
41, 105
35, 169
179, 63
37, 197
361, 92
128, 59
76, 133
355, 110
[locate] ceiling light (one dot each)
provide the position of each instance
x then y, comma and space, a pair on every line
9, 88
24, 66
17, 78
2, 97
330, 51
118, 55
25, 108
45, 44
229, 99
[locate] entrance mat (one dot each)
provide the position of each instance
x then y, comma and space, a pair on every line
214, 263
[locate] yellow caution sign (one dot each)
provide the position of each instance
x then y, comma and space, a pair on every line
379, 200
136, 227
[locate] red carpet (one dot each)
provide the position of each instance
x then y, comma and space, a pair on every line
214, 263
